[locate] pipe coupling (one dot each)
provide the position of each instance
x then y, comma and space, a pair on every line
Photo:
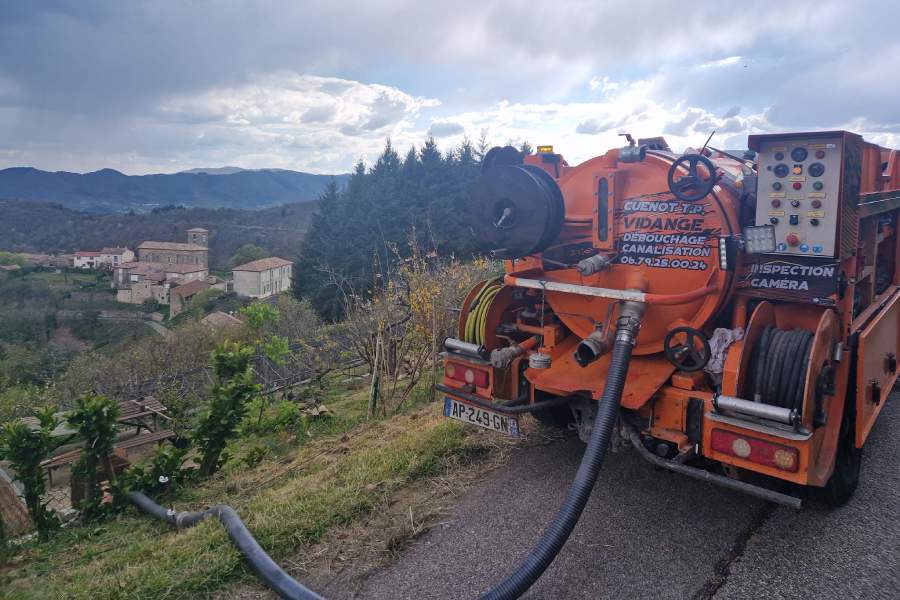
591, 348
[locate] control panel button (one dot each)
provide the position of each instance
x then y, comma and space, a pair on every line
795, 203
820, 154
816, 169
817, 248
818, 185
773, 220
804, 248
777, 185
799, 154
816, 203
776, 203
814, 222
794, 219
781, 170
797, 170
797, 185
792, 239
779, 156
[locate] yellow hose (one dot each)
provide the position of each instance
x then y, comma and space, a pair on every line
477, 318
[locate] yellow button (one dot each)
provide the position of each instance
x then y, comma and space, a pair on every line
798, 170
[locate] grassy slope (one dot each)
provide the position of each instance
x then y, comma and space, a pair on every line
287, 503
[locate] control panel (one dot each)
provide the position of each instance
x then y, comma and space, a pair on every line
798, 189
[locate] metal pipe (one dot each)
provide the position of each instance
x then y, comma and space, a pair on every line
702, 475
757, 409
471, 350
612, 294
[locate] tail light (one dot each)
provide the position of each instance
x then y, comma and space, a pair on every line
466, 374
783, 458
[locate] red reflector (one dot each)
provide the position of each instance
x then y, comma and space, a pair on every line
755, 450
466, 374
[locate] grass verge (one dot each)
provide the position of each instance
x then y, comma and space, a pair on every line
288, 504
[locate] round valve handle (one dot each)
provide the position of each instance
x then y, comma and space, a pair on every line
693, 186
686, 355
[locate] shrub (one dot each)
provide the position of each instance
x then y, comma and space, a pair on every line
233, 389
25, 449
94, 418
161, 474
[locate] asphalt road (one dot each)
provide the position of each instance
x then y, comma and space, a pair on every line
654, 534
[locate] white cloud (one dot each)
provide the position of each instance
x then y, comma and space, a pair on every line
722, 62
168, 85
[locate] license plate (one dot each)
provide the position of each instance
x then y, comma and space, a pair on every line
482, 417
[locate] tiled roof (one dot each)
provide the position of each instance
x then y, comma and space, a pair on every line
180, 269
87, 253
171, 246
221, 320
191, 288
114, 251
263, 264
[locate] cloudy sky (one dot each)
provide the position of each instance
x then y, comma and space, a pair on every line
161, 86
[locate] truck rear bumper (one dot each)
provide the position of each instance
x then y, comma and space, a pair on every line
703, 475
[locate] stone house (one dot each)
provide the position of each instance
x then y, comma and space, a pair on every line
86, 259
180, 296
195, 252
112, 257
262, 278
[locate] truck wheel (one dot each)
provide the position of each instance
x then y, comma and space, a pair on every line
847, 465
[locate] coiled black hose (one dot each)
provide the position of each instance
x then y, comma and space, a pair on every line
780, 362
547, 548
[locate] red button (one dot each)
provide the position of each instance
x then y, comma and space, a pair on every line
816, 203
797, 185
792, 239
776, 203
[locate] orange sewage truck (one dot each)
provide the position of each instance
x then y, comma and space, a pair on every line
766, 287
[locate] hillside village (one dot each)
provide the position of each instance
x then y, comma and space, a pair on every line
168, 273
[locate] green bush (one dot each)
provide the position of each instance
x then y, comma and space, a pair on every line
233, 390
94, 418
25, 449
161, 474
262, 418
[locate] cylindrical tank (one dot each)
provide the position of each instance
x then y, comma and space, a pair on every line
655, 242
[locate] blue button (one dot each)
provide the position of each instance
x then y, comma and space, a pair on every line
782, 247
804, 247
817, 249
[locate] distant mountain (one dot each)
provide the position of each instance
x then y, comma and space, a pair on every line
108, 190
215, 171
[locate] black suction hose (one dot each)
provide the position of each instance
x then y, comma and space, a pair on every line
563, 523
551, 542
262, 564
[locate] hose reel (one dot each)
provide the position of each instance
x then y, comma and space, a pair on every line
779, 364
516, 209
475, 331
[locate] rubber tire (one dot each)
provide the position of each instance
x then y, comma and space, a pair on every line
558, 416
847, 466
